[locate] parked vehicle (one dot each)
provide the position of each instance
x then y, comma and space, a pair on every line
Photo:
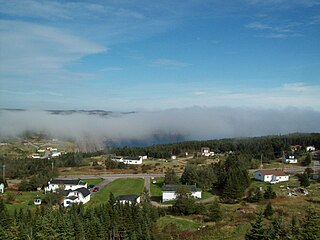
95, 189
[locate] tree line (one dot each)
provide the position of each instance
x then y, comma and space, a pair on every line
106, 221
270, 147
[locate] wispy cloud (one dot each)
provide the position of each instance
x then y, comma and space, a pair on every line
169, 63
111, 69
281, 31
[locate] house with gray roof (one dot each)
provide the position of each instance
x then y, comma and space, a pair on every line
80, 195
65, 184
169, 191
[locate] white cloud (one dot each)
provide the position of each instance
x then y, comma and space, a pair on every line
169, 63
37, 52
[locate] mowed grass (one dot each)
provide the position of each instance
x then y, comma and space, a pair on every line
93, 181
23, 200
182, 223
118, 187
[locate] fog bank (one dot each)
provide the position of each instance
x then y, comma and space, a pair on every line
193, 123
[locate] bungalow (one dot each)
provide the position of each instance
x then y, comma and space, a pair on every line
80, 195
289, 159
205, 151
1, 188
129, 160
130, 199
169, 192
65, 184
310, 149
272, 176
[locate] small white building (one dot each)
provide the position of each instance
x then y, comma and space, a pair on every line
81, 195
271, 176
129, 160
55, 154
65, 184
169, 192
36, 155
129, 199
1, 188
37, 201
310, 149
173, 157
205, 151
289, 159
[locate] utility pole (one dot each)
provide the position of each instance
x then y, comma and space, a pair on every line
261, 161
4, 172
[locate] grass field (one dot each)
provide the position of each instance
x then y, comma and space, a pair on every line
182, 223
93, 181
22, 200
118, 187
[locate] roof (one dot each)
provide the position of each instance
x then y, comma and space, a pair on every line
85, 192
173, 188
273, 172
72, 197
130, 197
131, 158
65, 181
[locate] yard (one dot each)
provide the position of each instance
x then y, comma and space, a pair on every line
21, 200
118, 187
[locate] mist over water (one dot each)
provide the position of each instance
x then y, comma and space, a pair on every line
150, 127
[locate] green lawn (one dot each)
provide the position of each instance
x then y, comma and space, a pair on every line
155, 188
93, 181
23, 200
182, 223
118, 187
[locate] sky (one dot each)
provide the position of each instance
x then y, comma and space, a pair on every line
129, 55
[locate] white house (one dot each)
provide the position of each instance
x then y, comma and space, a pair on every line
169, 192
289, 159
1, 188
173, 157
129, 160
205, 151
36, 155
129, 199
80, 195
272, 176
55, 154
310, 149
65, 184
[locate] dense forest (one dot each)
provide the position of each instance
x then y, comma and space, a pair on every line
270, 147
106, 221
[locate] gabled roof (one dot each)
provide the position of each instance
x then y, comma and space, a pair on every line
131, 158
273, 172
129, 197
173, 188
85, 192
65, 181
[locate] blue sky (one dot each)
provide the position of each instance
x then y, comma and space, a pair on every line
131, 55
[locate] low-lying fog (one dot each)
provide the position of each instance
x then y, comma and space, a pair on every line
192, 123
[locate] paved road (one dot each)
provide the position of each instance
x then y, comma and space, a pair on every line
114, 176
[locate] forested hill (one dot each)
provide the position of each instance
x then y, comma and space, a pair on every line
270, 146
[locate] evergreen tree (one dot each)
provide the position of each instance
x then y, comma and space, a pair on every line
269, 193
185, 203
189, 175
257, 232
215, 213
171, 177
305, 182
268, 212
307, 160
278, 230
254, 195
311, 227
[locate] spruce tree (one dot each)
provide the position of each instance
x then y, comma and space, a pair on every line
215, 213
305, 180
268, 212
257, 232
311, 227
